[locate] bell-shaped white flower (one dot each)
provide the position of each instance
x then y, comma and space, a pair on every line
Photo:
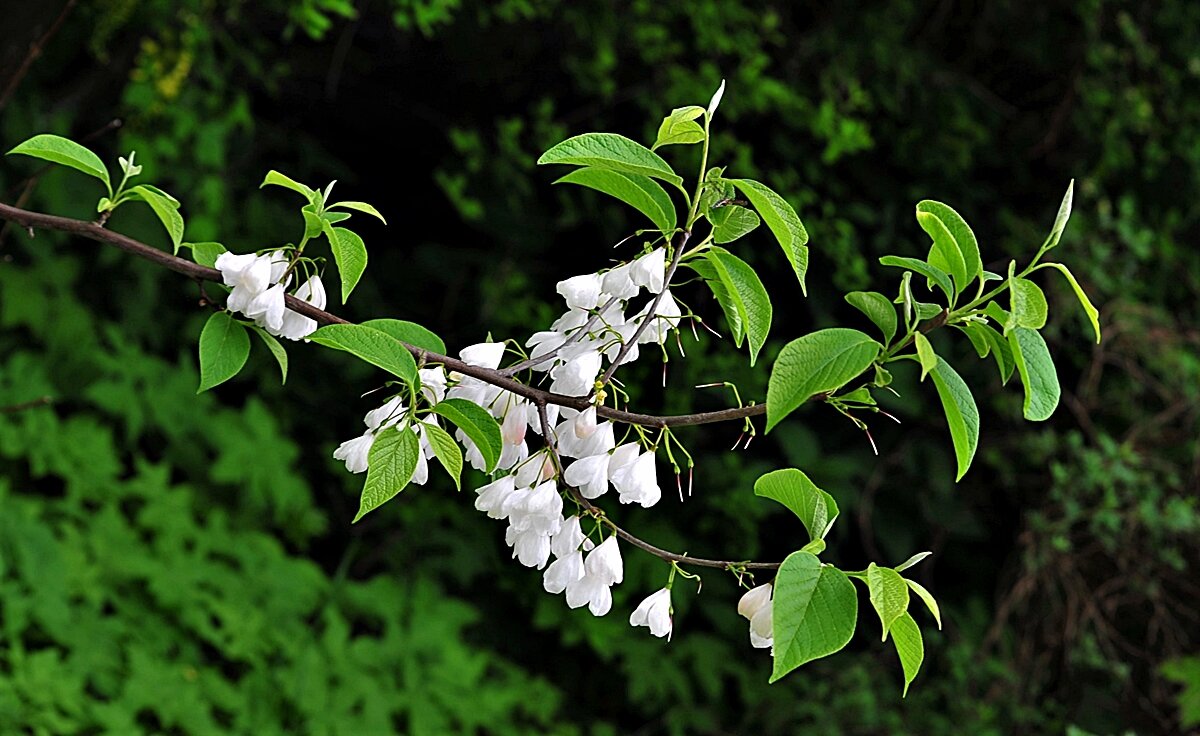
591, 591
753, 600
666, 318
581, 292
387, 415
564, 571
355, 452
542, 344
619, 282
421, 472
762, 635
433, 384
578, 376
589, 475
484, 354
492, 497
516, 421
510, 455
604, 562
619, 338
622, 456
572, 319
601, 441
569, 539
531, 548
295, 325
540, 510
279, 266
248, 274
654, 612
650, 270
267, 309
637, 482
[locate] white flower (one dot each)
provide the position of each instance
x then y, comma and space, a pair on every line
484, 354
539, 510
537, 468
619, 282
622, 456
492, 497
571, 320
585, 423
592, 591
421, 472
530, 548
601, 441
279, 266
578, 376
589, 475
569, 539
354, 452
654, 612
248, 274
433, 384
544, 343
604, 562
623, 335
581, 292
387, 415
649, 270
637, 483
564, 571
510, 455
267, 309
296, 325
756, 605
666, 318
516, 421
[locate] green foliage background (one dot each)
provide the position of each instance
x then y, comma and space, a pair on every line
179, 564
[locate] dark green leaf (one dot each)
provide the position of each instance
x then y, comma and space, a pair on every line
390, 466
743, 293
783, 222
878, 309
477, 424
276, 349
639, 192
224, 348
409, 332
1036, 367
731, 222
206, 254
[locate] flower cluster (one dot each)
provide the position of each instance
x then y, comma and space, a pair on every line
259, 283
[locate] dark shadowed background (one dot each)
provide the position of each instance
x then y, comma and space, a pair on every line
182, 564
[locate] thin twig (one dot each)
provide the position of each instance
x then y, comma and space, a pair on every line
13, 409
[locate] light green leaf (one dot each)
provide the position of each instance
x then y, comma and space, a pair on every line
447, 451
314, 224
962, 415
964, 237
819, 362
63, 151
390, 466
224, 348
477, 424
925, 354
1093, 314
906, 635
334, 217
374, 346
1060, 221
912, 561
815, 610
409, 332
639, 192
1036, 367
970, 329
731, 222
934, 274
878, 309
1000, 351
926, 596
782, 221
206, 254
744, 294
1028, 303
167, 209
680, 127
889, 595
815, 546
815, 508
944, 253
359, 207
612, 152
350, 253
279, 180
276, 349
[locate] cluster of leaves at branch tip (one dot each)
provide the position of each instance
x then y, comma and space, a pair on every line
815, 604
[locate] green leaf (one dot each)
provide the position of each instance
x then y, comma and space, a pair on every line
926, 596
63, 151
815, 508
962, 416
477, 424
743, 294
1093, 314
815, 610
374, 346
334, 217
276, 349
977, 340
680, 127
815, 546
390, 466
944, 253
612, 152
906, 635
960, 231
731, 222
447, 451
889, 595
206, 254
925, 355
986, 340
359, 207
639, 192
1028, 303
934, 274
819, 362
409, 332
314, 224
1036, 367
350, 253
1060, 221
782, 221
167, 209
224, 348
279, 180
878, 309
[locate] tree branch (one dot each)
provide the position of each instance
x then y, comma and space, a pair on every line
94, 231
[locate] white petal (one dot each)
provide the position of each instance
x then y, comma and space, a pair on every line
562, 572
649, 270
753, 600
581, 292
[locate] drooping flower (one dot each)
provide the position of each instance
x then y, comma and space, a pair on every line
601, 441
666, 317
267, 309
585, 423
484, 354
564, 571
387, 415
570, 538
602, 569
655, 613
649, 271
492, 497
295, 325
433, 384
248, 274
589, 475
577, 376
756, 606
619, 282
605, 563
354, 452
637, 483
581, 292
